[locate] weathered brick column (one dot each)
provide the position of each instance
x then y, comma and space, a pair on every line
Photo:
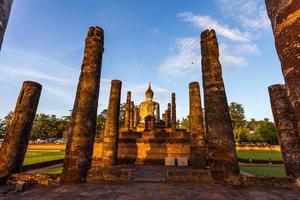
132, 115
222, 157
14, 146
136, 117
127, 112
287, 131
82, 130
173, 121
285, 19
168, 115
5, 7
198, 157
111, 129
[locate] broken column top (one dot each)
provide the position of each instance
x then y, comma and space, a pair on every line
96, 33
32, 83
208, 33
194, 84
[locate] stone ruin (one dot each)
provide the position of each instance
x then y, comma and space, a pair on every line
148, 139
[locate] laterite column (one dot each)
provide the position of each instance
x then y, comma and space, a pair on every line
111, 129
285, 19
222, 158
127, 112
198, 155
5, 7
84, 116
287, 131
14, 146
173, 121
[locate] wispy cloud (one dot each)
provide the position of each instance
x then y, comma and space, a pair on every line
251, 14
237, 40
206, 22
185, 59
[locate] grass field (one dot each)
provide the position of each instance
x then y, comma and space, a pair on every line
38, 156
53, 170
258, 171
41, 155
260, 155
264, 171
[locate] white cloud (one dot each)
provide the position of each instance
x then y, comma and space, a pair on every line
251, 14
185, 59
206, 22
229, 58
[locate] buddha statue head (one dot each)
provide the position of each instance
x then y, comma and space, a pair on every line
149, 93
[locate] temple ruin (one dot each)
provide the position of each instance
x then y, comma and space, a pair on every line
150, 137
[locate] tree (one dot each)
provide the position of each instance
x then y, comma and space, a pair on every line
237, 115
4, 124
101, 122
49, 126
185, 123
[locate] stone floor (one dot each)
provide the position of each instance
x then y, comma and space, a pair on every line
153, 191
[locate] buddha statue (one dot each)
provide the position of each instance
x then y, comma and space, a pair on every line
149, 107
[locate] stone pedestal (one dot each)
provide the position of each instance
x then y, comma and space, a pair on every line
14, 146
83, 123
286, 125
285, 19
111, 130
198, 144
150, 124
5, 7
222, 157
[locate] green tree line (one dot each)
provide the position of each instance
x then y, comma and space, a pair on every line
245, 131
50, 126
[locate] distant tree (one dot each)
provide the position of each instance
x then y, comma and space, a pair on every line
49, 126
185, 123
268, 132
238, 120
101, 122
4, 124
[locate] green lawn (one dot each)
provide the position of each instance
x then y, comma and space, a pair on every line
38, 156
53, 170
259, 155
264, 171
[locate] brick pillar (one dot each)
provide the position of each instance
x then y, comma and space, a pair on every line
5, 7
286, 126
164, 117
83, 123
111, 129
198, 145
14, 146
136, 117
285, 19
168, 115
131, 115
173, 121
222, 157
127, 111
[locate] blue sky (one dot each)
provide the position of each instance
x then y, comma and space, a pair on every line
145, 41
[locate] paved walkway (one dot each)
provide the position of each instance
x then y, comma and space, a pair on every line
153, 191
